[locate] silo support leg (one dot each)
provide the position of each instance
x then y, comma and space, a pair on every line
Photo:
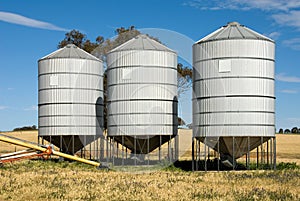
90, 151
177, 147
60, 143
159, 149
134, 150
268, 152
271, 153
117, 150
122, 150
193, 154
218, 153
148, 147
261, 150
197, 156
257, 157
274, 139
205, 154
113, 151
84, 143
248, 154
233, 153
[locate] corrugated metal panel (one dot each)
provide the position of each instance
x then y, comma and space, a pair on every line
215, 88
235, 118
230, 104
233, 82
135, 107
68, 130
240, 67
234, 130
222, 49
69, 66
70, 51
142, 42
149, 58
234, 30
70, 95
142, 89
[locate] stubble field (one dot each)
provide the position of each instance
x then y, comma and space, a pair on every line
37, 180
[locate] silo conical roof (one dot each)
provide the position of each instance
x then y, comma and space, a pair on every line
234, 30
70, 51
141, 42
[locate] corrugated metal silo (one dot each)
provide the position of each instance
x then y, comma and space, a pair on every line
142, 94
70, 98
233, 83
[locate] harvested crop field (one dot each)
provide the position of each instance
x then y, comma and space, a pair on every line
36, 180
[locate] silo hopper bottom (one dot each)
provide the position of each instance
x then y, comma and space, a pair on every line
142, 144
235, 147
70, 143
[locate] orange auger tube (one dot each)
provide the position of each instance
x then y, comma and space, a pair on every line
48, 150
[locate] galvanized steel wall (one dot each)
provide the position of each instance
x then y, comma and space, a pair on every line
70, 96
142, 92
233, 85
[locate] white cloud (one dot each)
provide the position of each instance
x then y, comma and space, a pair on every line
293, 121
289, 91
268, 5
274, 35
283, 12
291, 18
2, 107
31, 108
293, 43
25, 21
284, 78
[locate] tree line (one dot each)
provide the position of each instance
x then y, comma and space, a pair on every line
26, 128
294, 130
101, 46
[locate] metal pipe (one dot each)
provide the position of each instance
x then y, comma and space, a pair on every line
36, 147
268, 152
148, 147
197, 157
205, 154
122, 150
271, 153
233, 153
248, 154
193, 154
218, 153
261, 150
274, 153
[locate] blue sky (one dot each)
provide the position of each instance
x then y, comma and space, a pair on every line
32, 29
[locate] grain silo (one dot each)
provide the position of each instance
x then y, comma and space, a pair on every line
234, 100
70, 98
142, 97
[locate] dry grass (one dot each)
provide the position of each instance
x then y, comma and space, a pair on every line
288, 148
38, 180
33, 180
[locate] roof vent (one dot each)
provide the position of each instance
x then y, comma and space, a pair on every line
71, 46
233, 24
